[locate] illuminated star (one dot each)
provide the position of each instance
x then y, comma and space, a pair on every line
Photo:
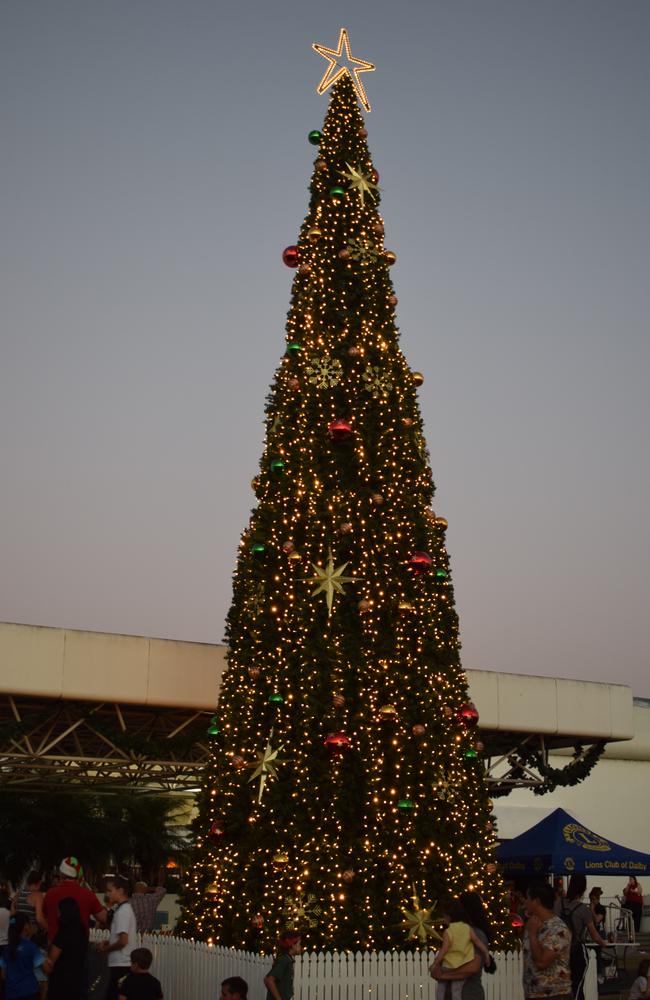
418, 922
334, 71
265, 765
362, 182
329, 580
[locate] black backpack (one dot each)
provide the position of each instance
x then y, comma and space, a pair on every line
578, 958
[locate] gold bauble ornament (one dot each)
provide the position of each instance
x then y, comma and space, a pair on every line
405, 607
418, 378
212, 889
255, 482
390, 257
388, 713
295, 557
314, 234
280, 861
441, 522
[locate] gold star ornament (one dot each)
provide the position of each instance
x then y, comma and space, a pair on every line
329, 580
265, 765
363, 183
334, 71
418, 922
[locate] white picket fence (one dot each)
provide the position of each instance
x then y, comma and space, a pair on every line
191, 970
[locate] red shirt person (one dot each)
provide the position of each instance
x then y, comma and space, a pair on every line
69, 887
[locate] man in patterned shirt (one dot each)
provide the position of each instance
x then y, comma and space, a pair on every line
547, 946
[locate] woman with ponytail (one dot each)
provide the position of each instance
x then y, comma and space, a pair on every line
20, 958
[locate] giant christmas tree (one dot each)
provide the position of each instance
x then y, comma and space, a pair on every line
345, 794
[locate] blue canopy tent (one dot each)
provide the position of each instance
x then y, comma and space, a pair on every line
560, 845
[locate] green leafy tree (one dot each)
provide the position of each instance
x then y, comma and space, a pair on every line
345, 794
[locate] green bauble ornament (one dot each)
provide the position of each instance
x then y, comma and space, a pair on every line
404, 805
276, 699
315, 137
470, 753
337, 192
441, 574
277, 466
213, 729
293, 348
258, 548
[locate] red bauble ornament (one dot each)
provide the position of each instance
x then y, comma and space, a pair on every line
516, 921
337, 743
291, 256
340, 430
420, 562
257, 921
217, 830
418, 729
468, 715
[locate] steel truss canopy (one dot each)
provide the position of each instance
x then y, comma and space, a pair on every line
111, 711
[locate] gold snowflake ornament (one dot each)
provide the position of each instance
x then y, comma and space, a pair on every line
377, 382
324, 372
363, 250
302, 910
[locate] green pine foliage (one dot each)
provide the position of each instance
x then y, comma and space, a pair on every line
375, 802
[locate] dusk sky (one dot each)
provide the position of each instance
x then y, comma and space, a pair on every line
154, 163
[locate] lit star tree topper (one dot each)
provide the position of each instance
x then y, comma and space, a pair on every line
334, 71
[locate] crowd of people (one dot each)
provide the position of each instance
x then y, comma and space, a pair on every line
44, 941
44, 937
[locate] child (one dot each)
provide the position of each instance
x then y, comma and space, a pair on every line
640, 988
20, 958
279, 981
458, 943
139, 984
66, 959
234, 988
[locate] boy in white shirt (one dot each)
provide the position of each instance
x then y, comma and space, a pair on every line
122, 939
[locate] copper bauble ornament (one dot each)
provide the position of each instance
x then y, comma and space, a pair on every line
430, 515
480, 747
418, 729
407, 421
314, 234
346, 527
377, 499
340, 430
447, 711
280, 861
288, 546
348, 876
338, 701
491, 868
390, 257
304, 269
442, 523
291, 255
257, 921
344, 254
254, 673
388, 713
364, 606
374, 175
238, 762
320, 164
420, 562
337, 743
392, 300
354, 351
418, 378
363, 132
378, 228
255, 482
294, 384
468, 715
